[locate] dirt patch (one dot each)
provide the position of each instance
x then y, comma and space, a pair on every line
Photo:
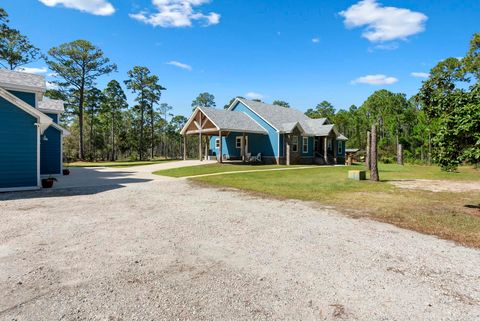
438, 185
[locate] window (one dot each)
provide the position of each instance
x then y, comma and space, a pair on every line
217, 143
340, 148
305, 145
329, 144
238, 142
315, 143
294, 144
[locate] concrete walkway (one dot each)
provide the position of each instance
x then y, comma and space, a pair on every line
105, 176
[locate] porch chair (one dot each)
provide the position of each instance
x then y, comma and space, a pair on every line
257, 159
248, 157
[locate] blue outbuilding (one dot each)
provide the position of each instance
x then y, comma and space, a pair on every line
30, 136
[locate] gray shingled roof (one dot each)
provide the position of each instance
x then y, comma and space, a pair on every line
233, 121
51, 105
25, 80
285, 119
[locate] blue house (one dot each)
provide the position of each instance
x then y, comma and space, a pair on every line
30, 137
278, 135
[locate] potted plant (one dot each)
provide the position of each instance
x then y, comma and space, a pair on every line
48, 182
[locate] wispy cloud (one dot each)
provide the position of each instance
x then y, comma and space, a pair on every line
177, 13
383, 23
316, 40
420, 74
51, 85
375, 80
96, 7
254, 95
33, 70
180, 65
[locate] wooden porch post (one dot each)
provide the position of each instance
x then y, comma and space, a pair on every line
207, 143
200, 145
243, 147
185, 147
325, 150
220, 147
287, 154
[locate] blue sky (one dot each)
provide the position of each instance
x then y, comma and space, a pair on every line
299, 51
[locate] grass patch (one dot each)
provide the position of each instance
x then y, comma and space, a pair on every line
214, 169
119, 164
446, 214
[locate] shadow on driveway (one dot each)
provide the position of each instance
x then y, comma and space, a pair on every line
82, 181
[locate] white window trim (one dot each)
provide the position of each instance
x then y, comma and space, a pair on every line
238, 142
294, 143
305, 145
217, 143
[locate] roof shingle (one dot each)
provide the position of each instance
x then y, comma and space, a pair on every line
25, 80
232, 120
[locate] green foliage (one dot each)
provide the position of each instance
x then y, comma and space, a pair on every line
281, 103
204, 100
231, 102
323, 110
455, 108
15, 48
77, 65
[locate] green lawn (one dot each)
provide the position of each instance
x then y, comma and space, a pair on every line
215, 168
448, 215
120, 164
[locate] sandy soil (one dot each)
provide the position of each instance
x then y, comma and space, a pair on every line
438, 185
162, 249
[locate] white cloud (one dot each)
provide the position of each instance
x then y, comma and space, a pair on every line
51, 85
316, 40
383, 23
33, 70
420, 74
254, 95
177, 13
375, 80
180, 65
96, 7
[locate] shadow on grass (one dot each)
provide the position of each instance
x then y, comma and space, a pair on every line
473, 206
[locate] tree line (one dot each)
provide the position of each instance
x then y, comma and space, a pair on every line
440, 124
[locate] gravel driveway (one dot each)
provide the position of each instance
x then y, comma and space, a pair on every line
161, 249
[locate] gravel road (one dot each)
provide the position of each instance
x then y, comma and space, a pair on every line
163, 249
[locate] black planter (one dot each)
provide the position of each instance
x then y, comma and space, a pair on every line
66, 172
47, 182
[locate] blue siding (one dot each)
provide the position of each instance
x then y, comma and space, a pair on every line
257, 143
271, 148
50, 150
53, 116
18, 147
29, 98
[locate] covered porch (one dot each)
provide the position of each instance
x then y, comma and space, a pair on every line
208, 123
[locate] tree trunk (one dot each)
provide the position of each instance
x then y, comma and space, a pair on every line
429, 148
92, 151
113, 138
81, 153
400, 154
373, 155
152, 127
367, 152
